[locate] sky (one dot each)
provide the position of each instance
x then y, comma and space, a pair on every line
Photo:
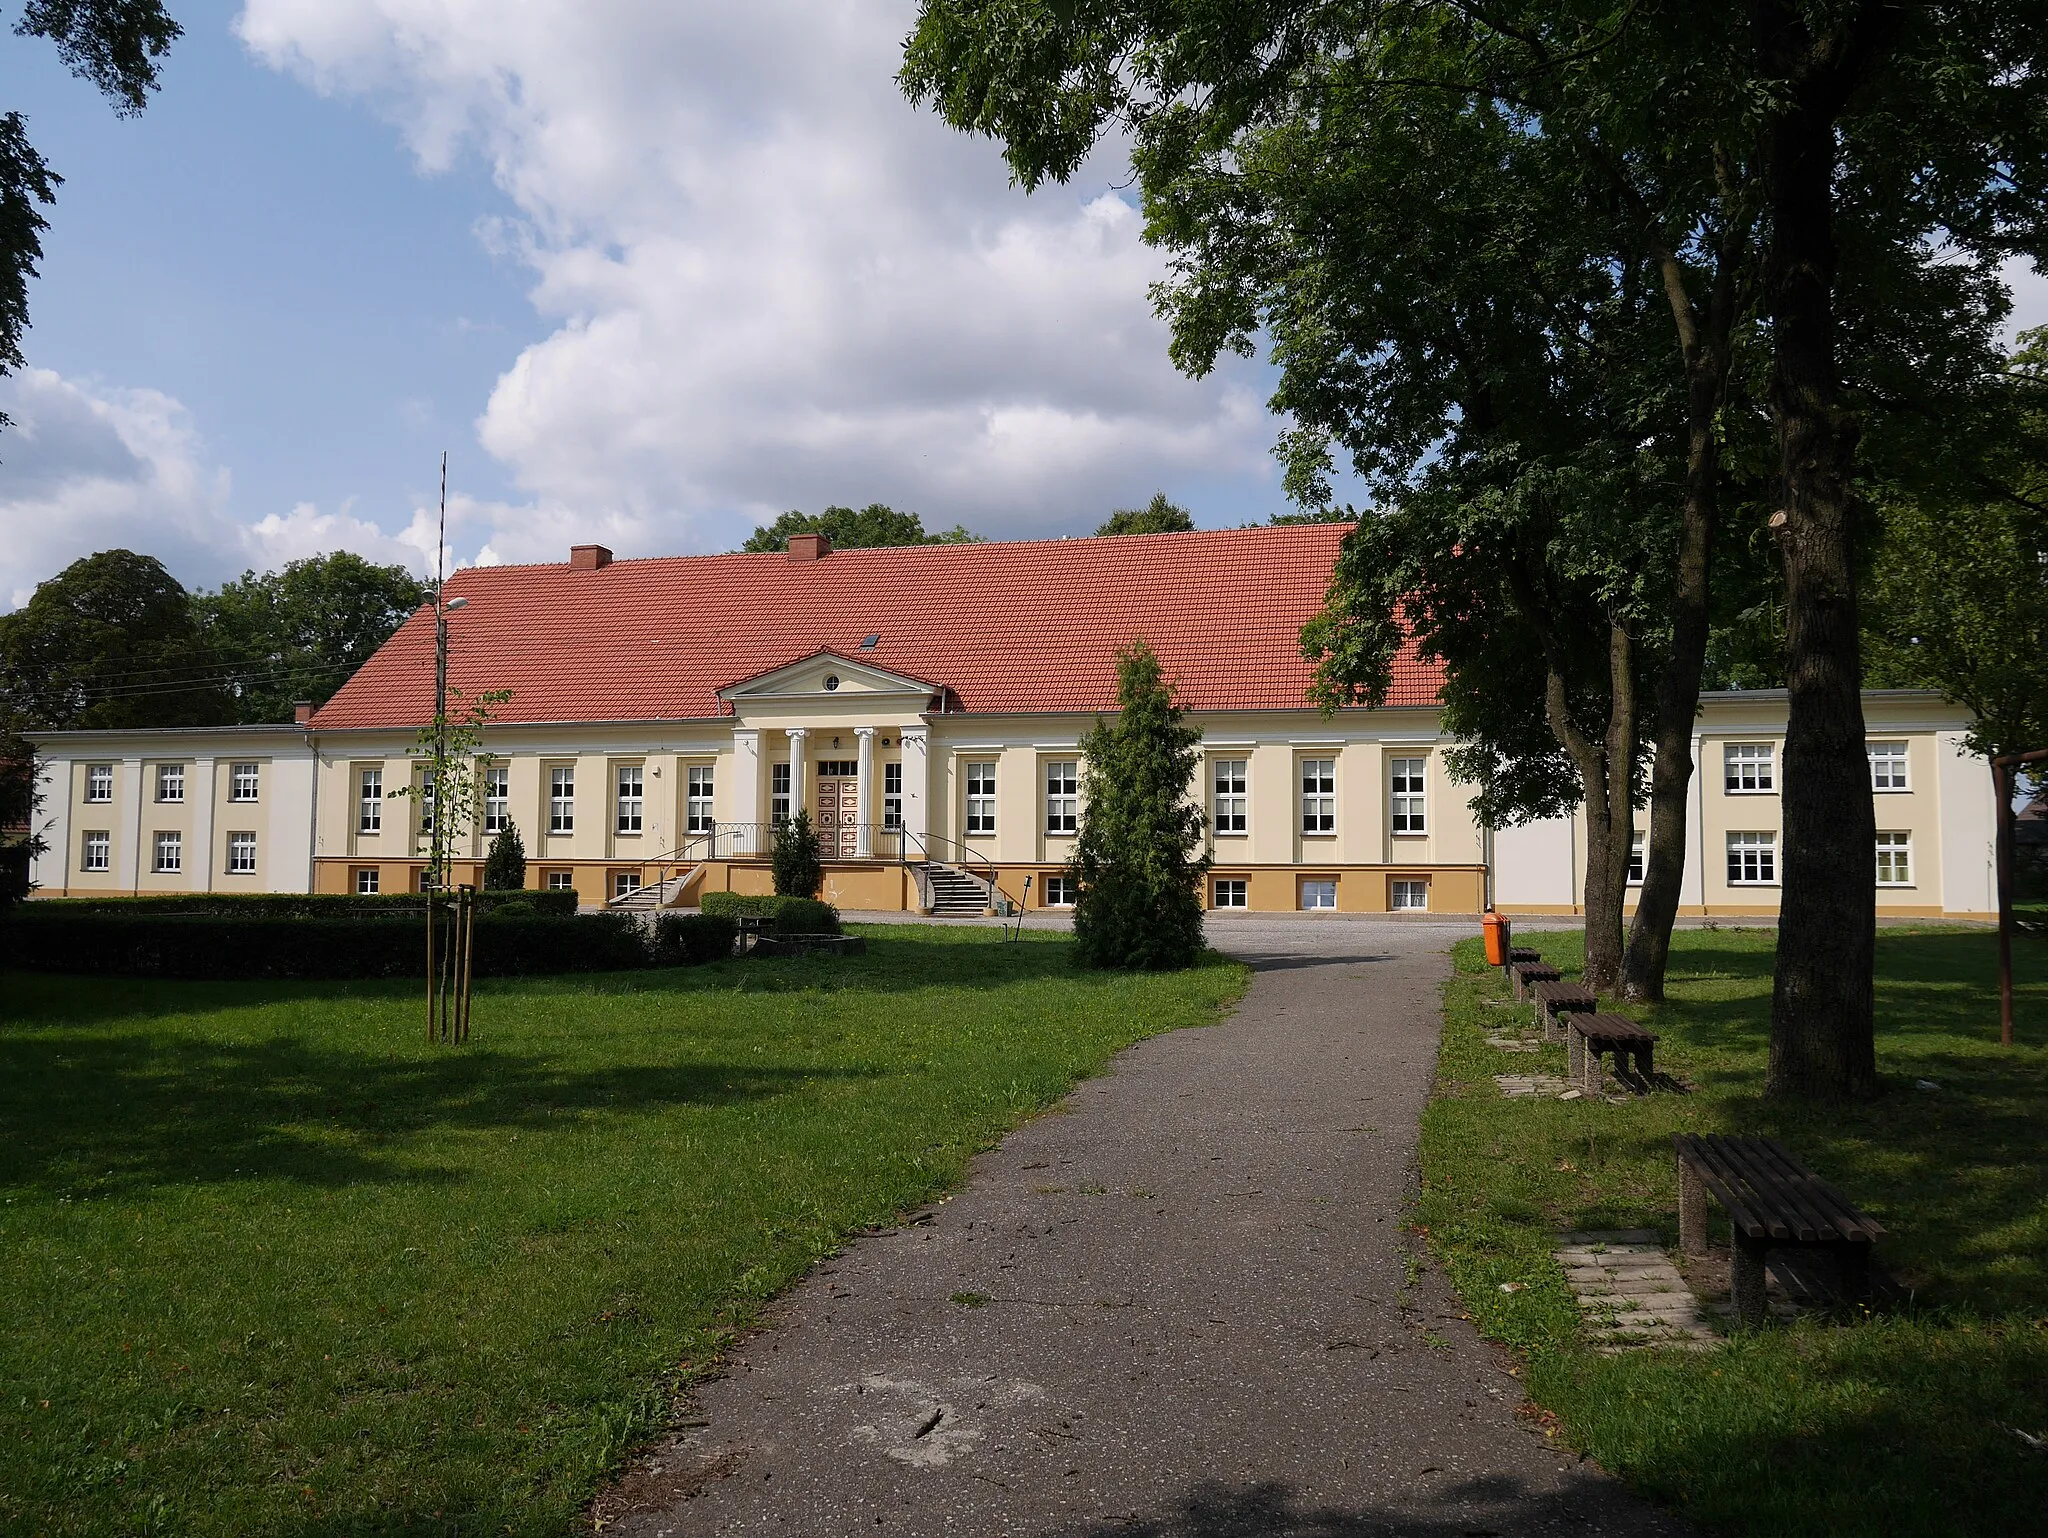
649, 273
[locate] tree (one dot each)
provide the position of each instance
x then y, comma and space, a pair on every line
21, 841
1138, 862
874, 525
1158, 516
505, 862
114, 44
299, 633
795, 862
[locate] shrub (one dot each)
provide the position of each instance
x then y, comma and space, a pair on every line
505, 865
689, 939
297, 904
798, 870
1137, 862
810, 916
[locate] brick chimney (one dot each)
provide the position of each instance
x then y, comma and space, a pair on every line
589, 557
809, 547
302, 712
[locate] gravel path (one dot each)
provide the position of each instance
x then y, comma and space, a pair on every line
1180, 1305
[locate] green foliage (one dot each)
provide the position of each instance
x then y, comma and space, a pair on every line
784, 915
691, 939
285, 905
299, 633
1159, 516
21, 836
874, 525
505, 864
449, 786
470, 1283
1138, 862
794, 861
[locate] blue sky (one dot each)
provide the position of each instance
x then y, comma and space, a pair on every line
651, 273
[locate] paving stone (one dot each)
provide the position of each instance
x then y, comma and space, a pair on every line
1630, 1293
1533, 1086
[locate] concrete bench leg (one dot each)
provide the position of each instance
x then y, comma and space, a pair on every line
1692, 1210
1589, 1059
1574, 1049
1748, 1278
1852, 1272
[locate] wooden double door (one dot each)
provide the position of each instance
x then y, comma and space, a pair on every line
836, 811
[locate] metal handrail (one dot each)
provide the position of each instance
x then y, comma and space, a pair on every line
756, 840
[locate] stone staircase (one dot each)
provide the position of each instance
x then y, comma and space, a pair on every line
955, 892
663, 894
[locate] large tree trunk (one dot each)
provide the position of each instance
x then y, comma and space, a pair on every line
1822, 1041
1604, 776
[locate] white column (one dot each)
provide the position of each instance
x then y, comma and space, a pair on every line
864, 845
199, 874
799, 792
128, 871
52, 869
916, 783
746, 787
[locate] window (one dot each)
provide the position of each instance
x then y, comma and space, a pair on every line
1407, 793
561, 881
697, 805
1752, 859
426, 806
241, 854
423, 879
625, 882
1318, 797
778, 794
1229, 892
99, 782
170, 782
370, 801
1062, 796
562, 799
1635, 857
242, 780
1894, 859
369, 881
1229, 809
98, 852
1318, 894
170, 853
1747, 767
838, 768
1059, 891
1409, 897
981, 798
497, 798
892, 796
631, 783
1887, 766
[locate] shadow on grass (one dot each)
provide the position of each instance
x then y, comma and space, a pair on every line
124, 1111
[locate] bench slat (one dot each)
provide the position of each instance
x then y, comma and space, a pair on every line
1614, 1028
1770, 1194
1819, 1196
1776, 1215
1558, 993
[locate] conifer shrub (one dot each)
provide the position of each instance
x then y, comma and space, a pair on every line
1138, 863
795, 862
505, 864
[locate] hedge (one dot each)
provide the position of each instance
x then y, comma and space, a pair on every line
779, 915
136, 944
296, 905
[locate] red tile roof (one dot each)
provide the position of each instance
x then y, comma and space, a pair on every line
1018, 626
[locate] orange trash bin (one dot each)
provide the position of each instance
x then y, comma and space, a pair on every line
1496, 927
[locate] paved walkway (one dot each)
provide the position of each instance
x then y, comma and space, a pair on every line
1179, 1307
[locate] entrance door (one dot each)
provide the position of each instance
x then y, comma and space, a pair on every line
838, 816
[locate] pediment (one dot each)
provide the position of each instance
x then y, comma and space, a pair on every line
826, 674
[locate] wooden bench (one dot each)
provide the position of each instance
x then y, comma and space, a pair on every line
1554, 1000
1773, 1202
1523, 973
1592, 1034
1522, 953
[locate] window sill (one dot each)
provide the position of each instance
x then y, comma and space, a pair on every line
1754, 886
1728, 792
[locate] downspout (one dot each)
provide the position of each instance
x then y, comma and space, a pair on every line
313, 816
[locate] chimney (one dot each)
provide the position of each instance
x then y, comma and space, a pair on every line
589, 557
809, 547
302, 712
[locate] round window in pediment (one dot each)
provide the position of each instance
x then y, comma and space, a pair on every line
831, 680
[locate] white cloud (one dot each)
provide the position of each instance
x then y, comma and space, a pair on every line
2029, 296
774, 282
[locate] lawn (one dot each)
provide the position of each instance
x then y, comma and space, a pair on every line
272, 1265
1890, 1425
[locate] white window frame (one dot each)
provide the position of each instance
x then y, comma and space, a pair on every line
629, 803
892, 796
370, 801
779, 778
1403, 889
1638, 855
1894, 779
169, 856
1753, 858
241, 854
1062, 797
170, 784
245, 782
625, 883
1408, 793
426, 803
561, 881
1230, 782
1059, 891
99, 782
1894, 853
369, 881
497, 797
1318, 778
561, 798
1749, 768
981, 797
1321, 884
1229, 892
700, 787
96, 850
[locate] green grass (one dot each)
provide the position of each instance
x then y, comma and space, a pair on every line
272, 1265
1892, 1425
